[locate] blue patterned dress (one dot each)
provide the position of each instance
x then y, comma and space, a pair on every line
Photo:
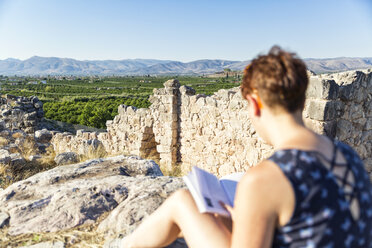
323, 215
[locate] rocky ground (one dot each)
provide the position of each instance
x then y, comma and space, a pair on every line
56, 200
88, 204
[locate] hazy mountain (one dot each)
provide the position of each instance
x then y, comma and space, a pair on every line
195, 67
338, 64
58, 66
65, 66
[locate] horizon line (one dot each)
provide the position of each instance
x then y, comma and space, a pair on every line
309, 58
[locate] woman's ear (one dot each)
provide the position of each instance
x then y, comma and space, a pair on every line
253, 105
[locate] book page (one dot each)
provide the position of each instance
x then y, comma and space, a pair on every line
193, 186
229, 184
212, 192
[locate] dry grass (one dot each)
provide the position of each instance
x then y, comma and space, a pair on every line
48, 157
176, 171
10, 174
83, 236
27, 147
100, 152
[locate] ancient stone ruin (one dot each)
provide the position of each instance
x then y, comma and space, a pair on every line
20, 113
214, 132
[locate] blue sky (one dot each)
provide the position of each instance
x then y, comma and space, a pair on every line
184, 30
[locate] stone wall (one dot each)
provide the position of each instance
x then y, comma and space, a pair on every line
215, 133
131, 132
20, 113
340, 106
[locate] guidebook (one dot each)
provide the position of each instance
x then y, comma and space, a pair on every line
208, 191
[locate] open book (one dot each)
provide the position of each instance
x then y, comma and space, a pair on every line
208, 191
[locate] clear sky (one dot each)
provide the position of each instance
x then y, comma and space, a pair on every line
184, 30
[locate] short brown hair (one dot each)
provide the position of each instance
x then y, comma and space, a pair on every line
279, 77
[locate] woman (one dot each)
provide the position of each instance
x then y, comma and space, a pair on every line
312, 192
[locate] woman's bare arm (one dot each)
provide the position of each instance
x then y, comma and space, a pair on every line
264, 199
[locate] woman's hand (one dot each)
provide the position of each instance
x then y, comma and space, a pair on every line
229, 208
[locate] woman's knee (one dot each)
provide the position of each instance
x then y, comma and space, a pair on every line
181, 195
183, 199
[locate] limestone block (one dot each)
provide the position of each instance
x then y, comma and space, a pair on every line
131, 110
4, 157
322, 89
322, 127
225, 95
172, 83
173, 91
361, 95
185, 100
344, 130
210, 101
235, 104
368, 108
361, 150
346, 92
122, 108
367, 136
194, 109
225, 115
355, 111
235, 124
43, 136
108, 123
322, 110
66, 158
163, 109
359, 124
201, 102
186, 90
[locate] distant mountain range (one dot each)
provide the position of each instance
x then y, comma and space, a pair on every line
65, 66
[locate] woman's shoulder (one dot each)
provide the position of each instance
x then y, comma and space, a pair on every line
265, 183
266, 178
263, 172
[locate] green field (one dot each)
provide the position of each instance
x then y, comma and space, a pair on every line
91, 101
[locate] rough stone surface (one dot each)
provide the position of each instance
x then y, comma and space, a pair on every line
43, 136
72, 195
66, 158
4, 156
